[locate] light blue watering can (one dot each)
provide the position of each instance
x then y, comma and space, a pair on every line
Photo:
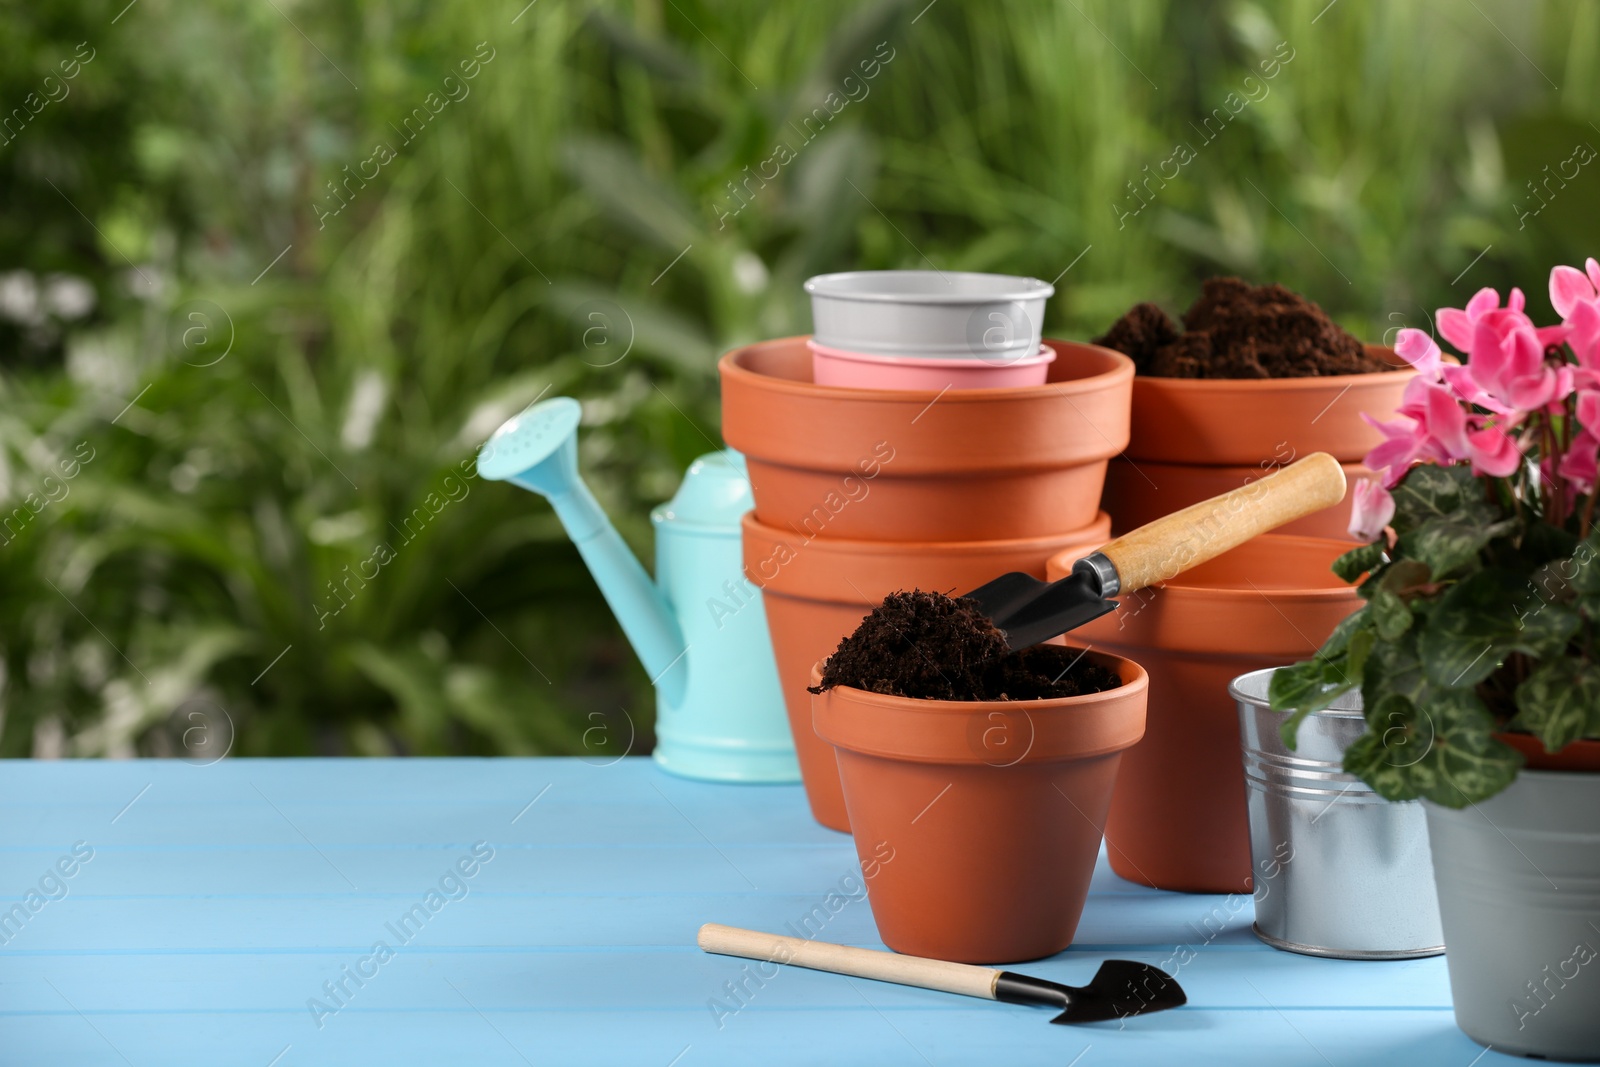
699, 629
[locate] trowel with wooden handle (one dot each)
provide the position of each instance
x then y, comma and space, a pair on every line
1031, 611
1119, 989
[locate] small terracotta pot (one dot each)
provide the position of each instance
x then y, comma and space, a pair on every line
816, 592
1582, 756
963, 465
1143, 491
980, 821
1178, 819
1247, 421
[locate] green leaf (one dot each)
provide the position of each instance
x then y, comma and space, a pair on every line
1583, 572
1405, 575
1390, 615
1451, 546
1358, 561
1294, 686
1313, 684
1443, 749
1431, 492
1394, 667
1394, 736
1472, 629
1545, 628
1560, 702
1361, 644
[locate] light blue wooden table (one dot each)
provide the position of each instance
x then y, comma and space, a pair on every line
210, 910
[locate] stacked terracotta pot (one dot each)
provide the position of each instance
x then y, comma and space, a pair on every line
1178, 814
863, 492
1193, 438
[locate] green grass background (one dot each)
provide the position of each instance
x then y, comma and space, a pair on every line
562, 223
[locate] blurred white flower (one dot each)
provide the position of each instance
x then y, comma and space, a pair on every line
19, 298
366, 404
68, 296
749, 273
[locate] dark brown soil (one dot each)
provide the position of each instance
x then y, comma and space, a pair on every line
934, 647
1236, 330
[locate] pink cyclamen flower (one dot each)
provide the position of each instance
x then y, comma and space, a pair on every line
1371, 509
1569, 286
1581, 464
1508, 363
1459, 325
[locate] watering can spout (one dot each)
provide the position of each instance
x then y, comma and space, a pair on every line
538, 451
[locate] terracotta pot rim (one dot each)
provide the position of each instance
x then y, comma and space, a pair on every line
845, 546
1133, 680
1120, 369
1062, 730
1579, 757
1205, 385
1218, 594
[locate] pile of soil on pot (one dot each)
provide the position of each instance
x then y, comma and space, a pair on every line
1237, 330
934, 647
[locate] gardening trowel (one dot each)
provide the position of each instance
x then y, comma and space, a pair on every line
1120, 988
1031, 611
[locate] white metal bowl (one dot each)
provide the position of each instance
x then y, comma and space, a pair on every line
929, 314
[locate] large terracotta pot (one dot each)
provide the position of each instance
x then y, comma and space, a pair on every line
1248, 421
981, 821
815, 593
1143, 491
958, 465
1178, 818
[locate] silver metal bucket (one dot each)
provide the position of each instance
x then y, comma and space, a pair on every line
1339, 871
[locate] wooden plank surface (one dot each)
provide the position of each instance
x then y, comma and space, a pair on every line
215, 902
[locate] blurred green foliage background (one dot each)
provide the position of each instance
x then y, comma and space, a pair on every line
278, 268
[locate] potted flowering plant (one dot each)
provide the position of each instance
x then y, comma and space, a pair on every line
1477, 653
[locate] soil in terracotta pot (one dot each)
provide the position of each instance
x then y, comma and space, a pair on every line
935, 647
1237, 330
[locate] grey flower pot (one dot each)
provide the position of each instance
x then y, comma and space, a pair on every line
1519, 894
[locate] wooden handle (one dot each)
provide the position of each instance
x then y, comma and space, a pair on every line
1172, 544
842, 959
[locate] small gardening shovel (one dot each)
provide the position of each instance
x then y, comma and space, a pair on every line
1119, 989
1031, 611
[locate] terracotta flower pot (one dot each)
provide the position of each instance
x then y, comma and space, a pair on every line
816, 592
1244, 422
1178, 819
1143, 491
981, 820
961, 465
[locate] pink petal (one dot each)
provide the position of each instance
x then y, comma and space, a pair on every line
1371, 509
1482, 302
1446, 423
1593, 270
1455, 326
1419, 350
1516, 302
1583, 333
1568, 285
1581, 464
1494, 452
1460, 379
1589, 410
